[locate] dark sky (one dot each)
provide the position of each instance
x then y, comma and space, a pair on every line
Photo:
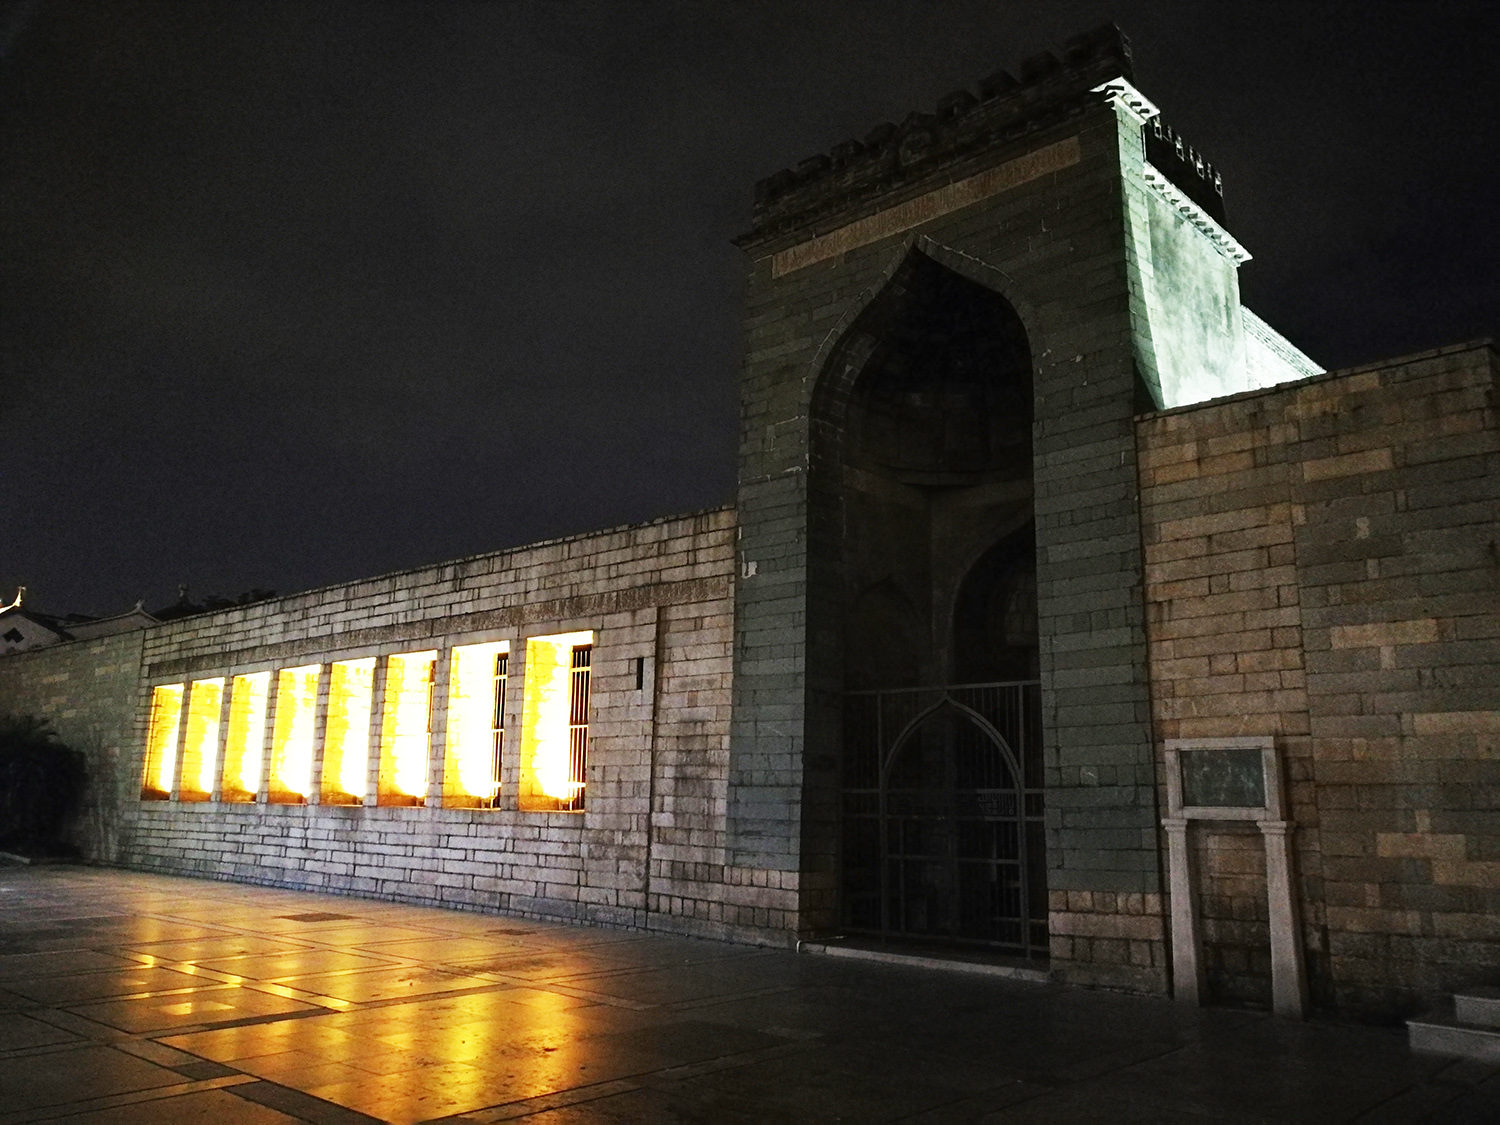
294, 294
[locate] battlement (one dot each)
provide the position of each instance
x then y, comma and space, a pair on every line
1184, 165
1002, 108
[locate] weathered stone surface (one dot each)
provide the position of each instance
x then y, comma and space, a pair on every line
1298, 577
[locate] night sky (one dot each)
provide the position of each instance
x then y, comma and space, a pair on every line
295, 294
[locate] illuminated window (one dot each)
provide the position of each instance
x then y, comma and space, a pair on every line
244, 746
476, 726
406, 728
555, 721
200, 740
346, 745
161, 742
292, 735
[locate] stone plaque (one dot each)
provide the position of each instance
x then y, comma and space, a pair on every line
1223, 778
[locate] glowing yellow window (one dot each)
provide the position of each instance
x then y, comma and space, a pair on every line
245, 742
161, 742
555, 721
346, 745
292, 734
406, 728
476, 725
200, 739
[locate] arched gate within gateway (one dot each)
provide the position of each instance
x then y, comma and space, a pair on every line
942, 816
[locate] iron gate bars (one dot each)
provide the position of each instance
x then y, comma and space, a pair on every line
942, 809
578, 723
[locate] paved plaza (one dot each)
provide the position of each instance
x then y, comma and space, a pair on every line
127, 997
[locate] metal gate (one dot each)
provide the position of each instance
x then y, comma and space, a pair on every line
942, 816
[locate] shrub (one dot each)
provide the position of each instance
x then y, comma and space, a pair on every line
41, 784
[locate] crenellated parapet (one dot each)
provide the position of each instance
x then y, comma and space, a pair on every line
1184, 165
1002, 109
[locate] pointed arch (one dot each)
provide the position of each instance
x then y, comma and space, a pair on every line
848, 345
926, 395
947, 704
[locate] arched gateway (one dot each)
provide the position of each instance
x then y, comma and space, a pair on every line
950, 331
921, 473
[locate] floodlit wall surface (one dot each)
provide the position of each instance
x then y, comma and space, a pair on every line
1194, 296
1270, 358
648, 848
1320, 568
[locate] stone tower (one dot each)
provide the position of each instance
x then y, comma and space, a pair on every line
951, 326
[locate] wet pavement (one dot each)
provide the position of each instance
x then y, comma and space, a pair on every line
130, 998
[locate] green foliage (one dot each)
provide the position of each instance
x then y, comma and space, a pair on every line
41, 784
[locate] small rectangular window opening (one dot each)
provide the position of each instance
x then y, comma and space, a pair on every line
292, 733
640, 673
200, 739
406, 728
244, 746
161, 742
476, 725
578, 722
554, 729
346, 739
497, 726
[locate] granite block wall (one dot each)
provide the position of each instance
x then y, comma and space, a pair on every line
647, 851
88, 691
1321, 566
1050, 240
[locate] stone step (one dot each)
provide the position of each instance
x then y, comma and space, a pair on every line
953, 964
1478, 1007
1440, 1035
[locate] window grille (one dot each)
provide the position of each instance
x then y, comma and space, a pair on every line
497, 726
578, 722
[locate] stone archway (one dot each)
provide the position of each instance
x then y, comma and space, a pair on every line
921, 464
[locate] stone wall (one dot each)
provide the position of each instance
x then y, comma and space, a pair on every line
1048, 238
1322, 566
648, 850
88, 691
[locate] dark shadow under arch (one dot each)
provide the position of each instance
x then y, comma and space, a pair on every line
920, 463
995, 629
920, 458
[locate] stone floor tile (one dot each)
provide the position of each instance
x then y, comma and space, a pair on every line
390, 984
442, 950
209, 1005
186, 1109
30, 966
221, 945
62, 990
77, 1074
293, 965
301, 1106
19, 1031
